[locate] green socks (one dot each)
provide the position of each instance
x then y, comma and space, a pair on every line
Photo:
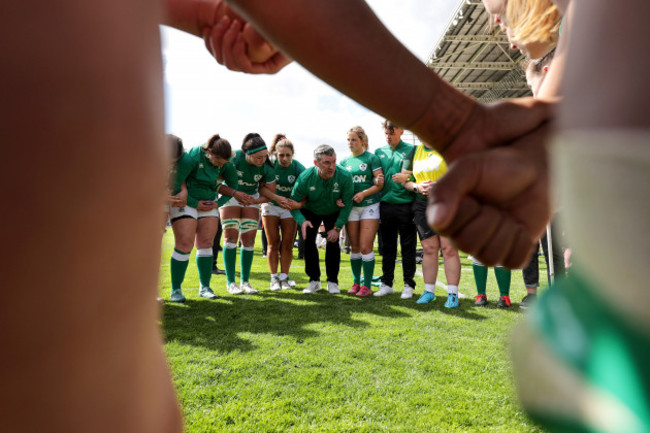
368, 268
178, 266
230, 261
246, 262
503, 280
355, 264
480, 278
204, 265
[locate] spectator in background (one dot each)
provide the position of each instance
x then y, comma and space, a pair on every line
216, 249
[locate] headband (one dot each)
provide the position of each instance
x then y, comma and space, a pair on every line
259, 149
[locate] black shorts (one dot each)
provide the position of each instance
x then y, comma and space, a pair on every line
420, 220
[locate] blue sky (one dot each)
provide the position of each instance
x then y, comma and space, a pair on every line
204, 98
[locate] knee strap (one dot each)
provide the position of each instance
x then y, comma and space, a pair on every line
231, 223
247, 225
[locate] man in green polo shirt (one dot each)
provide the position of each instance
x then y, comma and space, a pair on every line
327, 191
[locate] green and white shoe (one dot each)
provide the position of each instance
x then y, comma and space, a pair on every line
276, 286
207, 293
177, 296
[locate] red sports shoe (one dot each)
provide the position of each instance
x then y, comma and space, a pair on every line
481, 300
364, 291
355, 288
504, 302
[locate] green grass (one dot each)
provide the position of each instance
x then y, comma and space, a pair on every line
291, 362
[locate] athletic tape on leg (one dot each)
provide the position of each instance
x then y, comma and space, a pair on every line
231, 223
204, 252
247, 225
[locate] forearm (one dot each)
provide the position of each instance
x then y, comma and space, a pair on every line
268, 191
615, 90
226, 190
552, 85
410, 185
372, 190
340, 32
298, 216
189, 15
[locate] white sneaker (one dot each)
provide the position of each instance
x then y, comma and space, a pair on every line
313, 287
275, 285
285, 284
234, 289
407, 293
383, 290
248, 289
333, 288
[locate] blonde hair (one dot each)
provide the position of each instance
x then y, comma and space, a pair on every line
531, 21
276, 139
361, 134
284, 143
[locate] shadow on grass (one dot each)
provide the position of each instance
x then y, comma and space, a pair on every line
217, 324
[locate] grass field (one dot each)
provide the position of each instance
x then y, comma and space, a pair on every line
292, 362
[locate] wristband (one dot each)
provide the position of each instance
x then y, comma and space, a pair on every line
415, 188
338, 229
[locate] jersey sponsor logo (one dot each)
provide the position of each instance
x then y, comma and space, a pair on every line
284, 188
382, 156
291, 178
359, 178
363, 166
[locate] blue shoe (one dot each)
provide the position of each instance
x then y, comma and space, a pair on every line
426, 298
177, 296
452, 301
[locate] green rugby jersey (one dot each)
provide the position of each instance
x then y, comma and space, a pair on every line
362, 168
285, 178
201, 177
249, 176
391, 162
322, 194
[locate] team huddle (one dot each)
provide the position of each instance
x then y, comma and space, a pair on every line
367, 194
